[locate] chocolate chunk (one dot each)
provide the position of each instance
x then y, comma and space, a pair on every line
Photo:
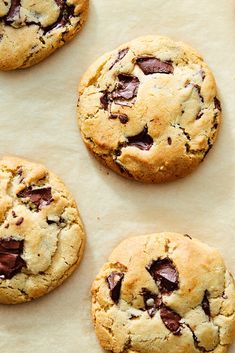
122, 117
126, 89
7, 225
19, 173
187, 147
200, 115
121, 54
40, 197
151, 65
165, 274
104, 100
203, 75
13, 214
10, 260
143, 140
198, 89
187, 236
66, 12
171, 320
152, 302
13, 12
19, 221
217, 104
169, 141
206, 304
114, 282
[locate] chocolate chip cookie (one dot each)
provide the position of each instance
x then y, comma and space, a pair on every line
164, 293
31, 30
41, 234
149, 110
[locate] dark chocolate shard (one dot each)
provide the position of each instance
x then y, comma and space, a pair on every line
104, 100
40, 197
11, 262
126, 89
206, 304
13, 12
165, 275
143, 140
152, 302
187, 236
171, 320
121, 54
122, 117
151, 65
217, 104
114, 282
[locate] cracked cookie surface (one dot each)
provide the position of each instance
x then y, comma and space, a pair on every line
164, 293
41, 234
149, 110
32, 30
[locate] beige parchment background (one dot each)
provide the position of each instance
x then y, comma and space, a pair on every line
38, 122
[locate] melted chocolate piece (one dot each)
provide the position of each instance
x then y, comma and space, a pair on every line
171, 320
165, 274
121, 54
114, 282
66, 12
104, 100
152, 302
217, 104
143, 140
198, 88
40, 197
206, 304
10, 260
13, 12
122, 117
19, 221
187, 236
126, 89
151, 65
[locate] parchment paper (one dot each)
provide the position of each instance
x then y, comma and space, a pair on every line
38, 122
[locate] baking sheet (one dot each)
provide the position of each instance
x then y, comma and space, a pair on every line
38, 122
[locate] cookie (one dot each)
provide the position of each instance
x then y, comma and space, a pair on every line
31, 30
149, 110
41, 234
164, 293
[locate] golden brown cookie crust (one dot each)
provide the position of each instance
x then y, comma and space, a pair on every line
32, 30
164, 293
149, 110
41, 234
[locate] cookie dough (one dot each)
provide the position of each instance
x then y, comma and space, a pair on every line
41, 234
149, 110
31, 30
164, 293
